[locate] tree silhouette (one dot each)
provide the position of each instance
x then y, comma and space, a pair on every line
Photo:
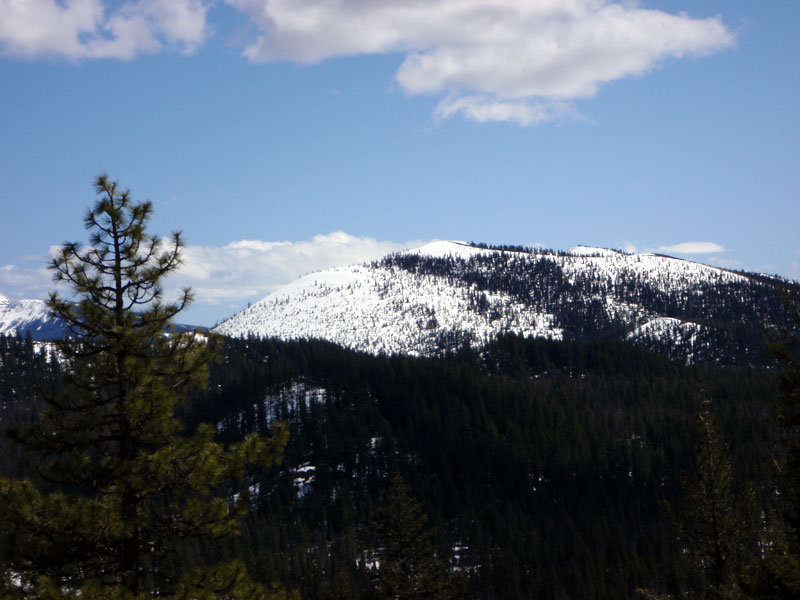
409, 568
712, 524
776, 574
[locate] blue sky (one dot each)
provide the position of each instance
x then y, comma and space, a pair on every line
287, 136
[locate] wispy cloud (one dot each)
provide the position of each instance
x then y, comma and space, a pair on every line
525, 112
692, 248
725, 263
520, 61
25, 282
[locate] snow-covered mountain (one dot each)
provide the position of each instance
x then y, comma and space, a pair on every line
28, 316
32, 316
448, 293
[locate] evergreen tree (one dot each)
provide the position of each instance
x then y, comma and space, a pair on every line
776, 575
121, 486
340, 587
409, 568
788, 411
712, 527
712, 524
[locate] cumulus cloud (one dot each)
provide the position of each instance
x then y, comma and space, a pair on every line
692, 248
509, 60
80, 29
229, 276
225, 278
521, 61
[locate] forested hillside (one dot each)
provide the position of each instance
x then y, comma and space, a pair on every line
543, 466
682, 309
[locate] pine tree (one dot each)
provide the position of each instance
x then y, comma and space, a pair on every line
788, 412
776, 574
121, 485
340, 587
712, 525
409, 568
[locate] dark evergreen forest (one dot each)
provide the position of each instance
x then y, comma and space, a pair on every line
545, 468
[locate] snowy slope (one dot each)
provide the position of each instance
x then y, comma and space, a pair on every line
673, 337
380, 310
449, 249
444, 293
283, 404
666, 273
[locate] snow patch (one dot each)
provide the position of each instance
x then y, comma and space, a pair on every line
663, 327
451, 248
303, 478
591, 251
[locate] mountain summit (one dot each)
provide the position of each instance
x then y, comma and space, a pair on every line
446, 294
28, 316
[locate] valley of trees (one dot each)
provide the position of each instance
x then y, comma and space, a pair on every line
137, 461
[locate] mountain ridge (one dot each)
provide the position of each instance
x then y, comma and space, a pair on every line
28, 316
447, 293
32, 316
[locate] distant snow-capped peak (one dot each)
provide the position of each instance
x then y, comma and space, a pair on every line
27, 316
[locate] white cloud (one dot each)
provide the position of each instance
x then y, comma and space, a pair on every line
182, 22
523, 112
257, 245
25, 282
250, 269
79, 29
520, 61
225, 278
501, 61
692, 248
